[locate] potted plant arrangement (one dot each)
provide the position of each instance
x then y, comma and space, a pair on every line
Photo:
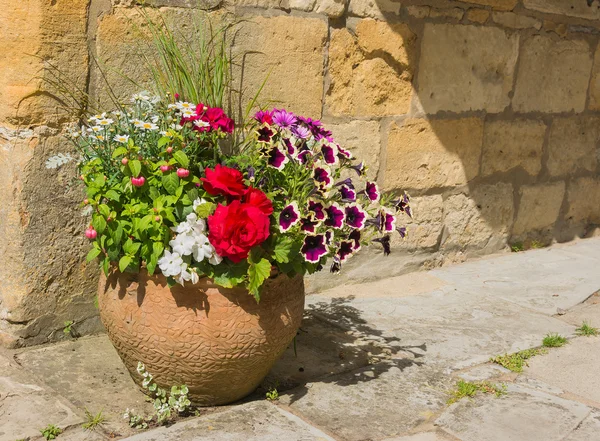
204, 238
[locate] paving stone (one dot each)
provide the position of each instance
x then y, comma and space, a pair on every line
484, 372
588, 312
573, 368
89, 364
257, 421
589, 430
521, 415
26, 406
425, 436
378, 401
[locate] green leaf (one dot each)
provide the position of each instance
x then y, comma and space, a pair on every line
192, 194
154, 193
257, 273
131, 247
99, 223
118, 234
94, 252
124, 263
119, 151
285, 249
230, 275
205, 209
106, 265
181, 158
171, 182
163, 141
113, 195
104, 210
136, 167
145, 222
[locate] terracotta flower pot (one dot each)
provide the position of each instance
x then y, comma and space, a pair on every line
219, 342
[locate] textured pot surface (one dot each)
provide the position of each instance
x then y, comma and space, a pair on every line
217, 341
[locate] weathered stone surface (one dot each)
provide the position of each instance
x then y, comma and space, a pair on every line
572, 145
516, 21
199, 4
538, 207
501, 5
425, 436
418, 11
478, 15
370, 86
553, 75
257, 421
594, 103
588, 429
424, 229
300, 5
458, 72
511, 144
583, 197
425, 154
451, 13
378, 9
573, 8
378, 388
362, 138
331, 8
481, 220
510, 417
561, 29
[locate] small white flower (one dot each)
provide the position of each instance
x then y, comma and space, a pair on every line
182, 228
183, 244
100, 137
202, 248
155, 119
142, 96
122, 138
117, 113
106, 122
185, 106
172, 106
149, 126
95, 129
170, 264
138, 123
215, 259
184, 275
188, 113
201, 124
163, 133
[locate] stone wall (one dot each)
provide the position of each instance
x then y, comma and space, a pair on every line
485, 111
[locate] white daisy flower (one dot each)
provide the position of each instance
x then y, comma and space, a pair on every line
185, 106
95, 129
149, 126
188, 113
201, 124
123, 139
106, 122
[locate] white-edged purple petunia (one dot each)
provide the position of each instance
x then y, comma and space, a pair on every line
372, 191
287, 144
309, 225
277, 158
355, 236
387, 221
348, 194
304, 155
385, 243
328, 237
360, 169
265, 133
336, 265
313, 248
356, 217
322, 177
289, 217
343, 153
335, 216
329, 152
345, 250
317, 209
402, 232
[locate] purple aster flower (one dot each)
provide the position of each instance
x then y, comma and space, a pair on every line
336, 266
309, 225
348, 194
401, 231
265, 134
317, 209
335, 216
360, 169
300, 132
355, 237
345, 250
372, 191
283, 118
322, 177
277, 158
329, 154
385, 242
314, 248
343, 153
264, 116
289, 217
356, 217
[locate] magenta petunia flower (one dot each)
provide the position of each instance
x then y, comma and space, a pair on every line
372, 191
344, 153
388, 221
328, 237
355, 237
345, 250
322, 177
336, 265
291, 149
402, 205
289, 217
385, 242
348, 194
284, 119
356, 217
277, 158
265, 134
314, 248
335, 216
317, 209
264, 116
309, 225
360, 169
329, 153
401, 231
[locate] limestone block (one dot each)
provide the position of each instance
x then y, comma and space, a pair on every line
516, 21
458, 71
378, 9
583, 196
572, 145
478, 15
594, 103
453, 13
331, 8
479, 220
425, 154
501, 5
425, 228
553, 75
362, 139
511, 144
260, 3
419, 11
362, 81
573, 8
198, 4
539, 207
299, 5
559, 28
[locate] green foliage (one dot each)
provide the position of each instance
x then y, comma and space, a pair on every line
272, 394
554, 341
93, 421
517, 247
136, 421
467, 389
515, 362
68, 327
50, 431
536, 245
587, 330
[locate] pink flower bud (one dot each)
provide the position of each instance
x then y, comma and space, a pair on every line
169, 150
124, 161
183, 173
90, 233
165, 168
176, 96
138, 182
86, 201
157, 218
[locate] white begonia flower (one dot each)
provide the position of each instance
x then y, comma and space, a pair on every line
202, 248
170, 264
105, 122
182, 228
183, 244
122, 138
195, 277
198, 202
201, 124
184, 275
215, 259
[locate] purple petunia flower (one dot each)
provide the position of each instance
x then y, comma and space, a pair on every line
329, 154
372, 191
277, 158
402, 205
304, 156
360, 169
356, 217
388, 221
317, 209
345, 250
289, 217
344, 153
385, 242
289, 146
265, 134
322, 177
355, 236
309, 225
348, 194
335, 216
250, 172
401, 231
301, 132
283, 118
328, 237
347, 182
264, 116
314, 248
336, 265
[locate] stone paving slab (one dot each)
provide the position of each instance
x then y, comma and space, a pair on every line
26, 406
573, 368
589, 312
425, 436
588, 430
521, 415
377, 402
257, 421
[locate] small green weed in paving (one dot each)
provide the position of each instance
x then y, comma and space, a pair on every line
587, 330
554, 341
93, 421
50, 431
467, 389
272, 395
68, 327
517, 247
536, 245
515, 362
